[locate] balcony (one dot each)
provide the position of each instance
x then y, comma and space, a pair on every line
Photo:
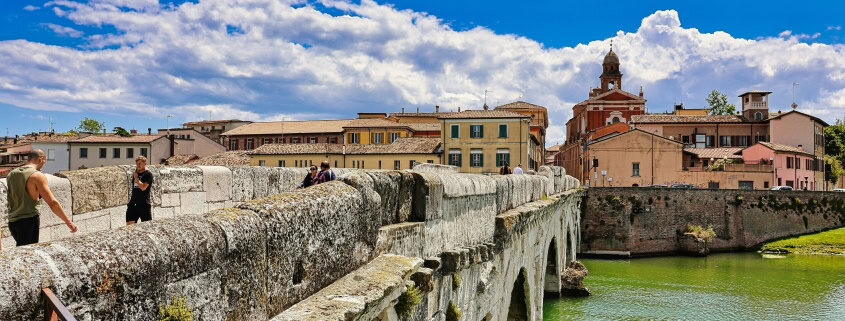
757, 104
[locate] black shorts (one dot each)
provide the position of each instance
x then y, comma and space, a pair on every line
25, 231
138, 212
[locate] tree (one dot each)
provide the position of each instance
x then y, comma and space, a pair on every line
121, 132
91, 125
719, 104
834, 149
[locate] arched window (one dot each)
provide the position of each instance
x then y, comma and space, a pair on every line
758, 116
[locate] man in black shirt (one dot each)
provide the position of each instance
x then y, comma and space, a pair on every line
139, 204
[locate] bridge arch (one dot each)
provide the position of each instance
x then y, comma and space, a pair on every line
553, 267
518, 309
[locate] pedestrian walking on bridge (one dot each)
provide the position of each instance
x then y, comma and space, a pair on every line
27, 186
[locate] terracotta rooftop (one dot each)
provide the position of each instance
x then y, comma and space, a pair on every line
297, 149
181, 159
554, 148
664, 118
783, 148
373, 123
407, 145
228, 159
475, 114
290, 127
423, 114
424, 127
117, 139
212, 122
520, 105
715, 153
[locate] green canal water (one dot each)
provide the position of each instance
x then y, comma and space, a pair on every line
735, 286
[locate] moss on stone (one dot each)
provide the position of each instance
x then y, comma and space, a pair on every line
407, 301
177, 310
456, 281
453, 313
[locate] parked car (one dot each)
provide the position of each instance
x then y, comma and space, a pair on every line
687, 186
839, 190
781, 188
658, 186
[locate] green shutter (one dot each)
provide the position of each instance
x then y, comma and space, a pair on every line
498, 160
460, 160
455, 131
508, 158
480, 131
503, 131
480, 160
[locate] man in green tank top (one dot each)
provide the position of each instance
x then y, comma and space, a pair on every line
26, 186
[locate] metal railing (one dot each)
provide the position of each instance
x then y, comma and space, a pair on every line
54, 310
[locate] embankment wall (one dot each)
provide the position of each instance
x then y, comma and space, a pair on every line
651, 221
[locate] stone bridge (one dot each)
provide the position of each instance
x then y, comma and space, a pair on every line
243, 244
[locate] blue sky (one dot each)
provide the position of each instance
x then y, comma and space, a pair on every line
132, 62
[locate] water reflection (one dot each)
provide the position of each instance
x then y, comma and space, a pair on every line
741, 286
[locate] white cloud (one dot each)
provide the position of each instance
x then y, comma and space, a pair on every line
267, 59
30, 7
837, 28
63, 31
785, 33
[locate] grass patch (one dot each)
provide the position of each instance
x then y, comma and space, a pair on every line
828, 242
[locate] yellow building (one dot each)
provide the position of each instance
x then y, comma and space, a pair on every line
539, 122
378, 131
481, 141
400, 154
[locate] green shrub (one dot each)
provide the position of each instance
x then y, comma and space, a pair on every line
456, 281
177, 310
453, 313
701, 234
407, 301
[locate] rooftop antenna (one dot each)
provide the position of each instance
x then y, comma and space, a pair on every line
794, 105
167, 123
50, 128
485, 95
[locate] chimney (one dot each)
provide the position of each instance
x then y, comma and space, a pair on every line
641, 91
459, 109
679, 106
16, 139
800, 146
418, 110
436, 108
133, 131
149, 131
486, 107
403, 110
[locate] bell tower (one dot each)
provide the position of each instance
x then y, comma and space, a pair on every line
611, 77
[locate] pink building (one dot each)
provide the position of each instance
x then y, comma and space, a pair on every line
792, 166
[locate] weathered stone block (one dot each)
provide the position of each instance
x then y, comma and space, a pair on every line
432, 263
242, 186
193, 203
97, 188
170, 200
160, 213
180, 179
94, 224
451, 261
217, 183
405, 239
118, 216
62, 192
203, 294
335, 235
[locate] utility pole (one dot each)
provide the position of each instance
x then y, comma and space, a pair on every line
794, 105
167, 124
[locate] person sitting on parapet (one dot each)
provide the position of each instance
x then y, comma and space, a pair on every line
517, 169
310, 178
26, 186
325, 174
139, 207
505, 169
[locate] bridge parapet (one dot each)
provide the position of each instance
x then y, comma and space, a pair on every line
247, 258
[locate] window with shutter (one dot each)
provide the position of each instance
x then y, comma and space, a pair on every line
503, 131
456, 131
